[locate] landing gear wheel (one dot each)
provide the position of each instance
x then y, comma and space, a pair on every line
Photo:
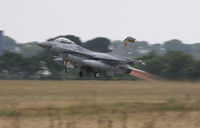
66, 70
81, 74
97, 75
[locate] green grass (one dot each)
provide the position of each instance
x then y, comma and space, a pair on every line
93, 109
8, 113
99, 104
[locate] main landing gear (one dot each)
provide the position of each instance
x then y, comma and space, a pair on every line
81, 74
97, 75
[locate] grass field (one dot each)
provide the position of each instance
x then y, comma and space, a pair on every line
99, 104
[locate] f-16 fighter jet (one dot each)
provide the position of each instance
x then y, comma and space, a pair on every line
115, 62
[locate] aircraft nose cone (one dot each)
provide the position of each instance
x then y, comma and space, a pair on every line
44, 44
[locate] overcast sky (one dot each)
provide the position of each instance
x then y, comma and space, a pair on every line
151, 20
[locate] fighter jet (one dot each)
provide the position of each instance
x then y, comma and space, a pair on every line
115, 62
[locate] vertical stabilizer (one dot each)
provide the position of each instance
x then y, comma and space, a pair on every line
122, 50
1, 42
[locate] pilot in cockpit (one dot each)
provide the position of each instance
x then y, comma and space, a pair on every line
63, 40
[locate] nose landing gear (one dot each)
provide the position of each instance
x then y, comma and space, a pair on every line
66, 69
66, 65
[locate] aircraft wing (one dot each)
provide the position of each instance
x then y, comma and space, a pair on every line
108, 58
100, 56
140, 73
77, 53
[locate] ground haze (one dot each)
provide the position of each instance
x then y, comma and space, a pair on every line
99, 104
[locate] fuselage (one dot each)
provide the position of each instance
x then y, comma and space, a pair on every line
88, 60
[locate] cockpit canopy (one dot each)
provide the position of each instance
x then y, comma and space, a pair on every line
63, 40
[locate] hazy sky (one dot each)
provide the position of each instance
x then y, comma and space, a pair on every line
151, 20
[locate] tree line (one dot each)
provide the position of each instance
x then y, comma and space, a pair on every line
173, 65
102, 44
172, 60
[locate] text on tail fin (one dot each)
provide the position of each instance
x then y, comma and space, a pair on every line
130, 39
122, 50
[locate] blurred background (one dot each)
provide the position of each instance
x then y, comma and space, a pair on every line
173, 59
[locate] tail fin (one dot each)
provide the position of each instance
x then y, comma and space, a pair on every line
122, 50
